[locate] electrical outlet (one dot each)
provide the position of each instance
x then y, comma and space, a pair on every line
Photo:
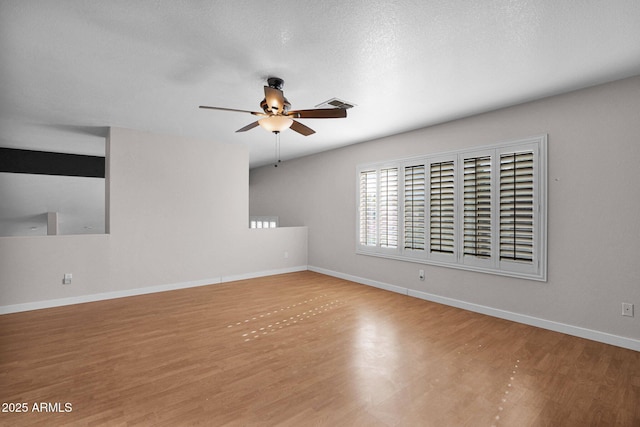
627, 309
286, 254
421, 274
67, 279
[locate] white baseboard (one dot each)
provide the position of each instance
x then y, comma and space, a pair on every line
369, 282
577, 331
59, 302
246, 276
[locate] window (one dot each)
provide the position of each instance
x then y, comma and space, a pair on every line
477, 207
263, 222
441, 209
516, 206
378, 209
368, 208
414, 205
482, 209
388, 208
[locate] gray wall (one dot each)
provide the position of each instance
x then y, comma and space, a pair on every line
178, 213
593, 204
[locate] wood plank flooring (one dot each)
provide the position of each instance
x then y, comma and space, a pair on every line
303, 349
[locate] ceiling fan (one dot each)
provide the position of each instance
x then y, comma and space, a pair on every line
277, 116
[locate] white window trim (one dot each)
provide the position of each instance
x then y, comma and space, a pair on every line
536, 270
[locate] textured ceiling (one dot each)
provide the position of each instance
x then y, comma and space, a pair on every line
71, 68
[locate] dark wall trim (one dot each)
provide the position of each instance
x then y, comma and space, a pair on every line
48, 163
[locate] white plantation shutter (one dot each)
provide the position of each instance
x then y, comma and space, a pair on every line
389, 208
441, 210
414, 207
477, 207
481, 209
517, 207
368, 208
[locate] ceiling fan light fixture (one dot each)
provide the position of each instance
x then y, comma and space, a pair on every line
275, 123
278, 116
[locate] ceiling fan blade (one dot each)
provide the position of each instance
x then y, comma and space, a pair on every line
248, 127
233, 110
274, 98
319, 113
302, 129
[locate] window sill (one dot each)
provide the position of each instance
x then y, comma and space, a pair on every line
541, 277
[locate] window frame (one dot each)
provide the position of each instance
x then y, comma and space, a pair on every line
534, 270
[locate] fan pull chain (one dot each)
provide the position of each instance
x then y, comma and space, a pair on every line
277, 149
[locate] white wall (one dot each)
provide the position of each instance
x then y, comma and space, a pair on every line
178, 210
594, 203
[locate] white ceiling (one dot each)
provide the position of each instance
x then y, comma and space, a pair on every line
70, 68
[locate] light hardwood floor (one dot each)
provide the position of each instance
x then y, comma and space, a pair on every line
304, 349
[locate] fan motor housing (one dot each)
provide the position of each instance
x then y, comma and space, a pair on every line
275, 82
267, 109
